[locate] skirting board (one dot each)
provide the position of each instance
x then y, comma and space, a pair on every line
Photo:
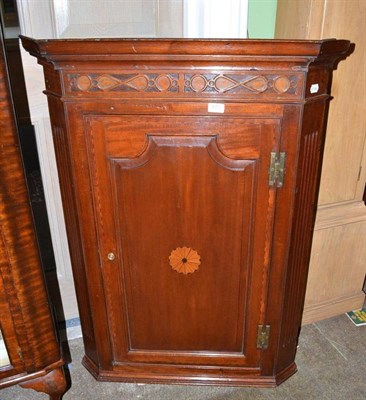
336, 214
333, 307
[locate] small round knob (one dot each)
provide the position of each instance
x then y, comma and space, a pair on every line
111, 256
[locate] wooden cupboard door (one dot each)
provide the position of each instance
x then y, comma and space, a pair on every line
184, 216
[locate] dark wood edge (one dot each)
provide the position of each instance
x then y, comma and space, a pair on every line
54, 384
201, 99
187, 48
286, 373
193, 380
21, 378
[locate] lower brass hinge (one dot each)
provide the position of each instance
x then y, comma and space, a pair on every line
277, 169
263, 336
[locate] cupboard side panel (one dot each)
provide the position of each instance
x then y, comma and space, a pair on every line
61, 143
285, 198
306, 192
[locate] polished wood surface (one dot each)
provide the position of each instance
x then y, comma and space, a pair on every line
162, 183
337, 267
53, 383
26, 321
164, 151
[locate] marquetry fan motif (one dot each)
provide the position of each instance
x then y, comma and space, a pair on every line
184, 260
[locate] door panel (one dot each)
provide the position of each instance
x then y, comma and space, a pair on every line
164, 204
175, 192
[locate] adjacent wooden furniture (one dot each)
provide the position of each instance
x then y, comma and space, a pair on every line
25, 319
337, 267
189, 172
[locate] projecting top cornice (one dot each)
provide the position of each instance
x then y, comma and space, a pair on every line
212, 50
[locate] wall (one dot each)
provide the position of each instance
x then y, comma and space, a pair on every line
261, 18
337, 266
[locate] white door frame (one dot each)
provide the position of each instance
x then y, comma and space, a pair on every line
212, 19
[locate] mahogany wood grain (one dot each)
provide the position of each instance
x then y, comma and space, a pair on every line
53, 383
26, 321
147, 169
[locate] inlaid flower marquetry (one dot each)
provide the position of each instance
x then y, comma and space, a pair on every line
184, 260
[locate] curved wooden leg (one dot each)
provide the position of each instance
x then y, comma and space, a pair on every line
54, 384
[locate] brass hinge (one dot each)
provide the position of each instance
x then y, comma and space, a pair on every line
263, 336
277, 169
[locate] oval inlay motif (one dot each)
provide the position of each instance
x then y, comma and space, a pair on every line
223, 83
282, 84
198, 83
163, 82
184, 260
139, 82
107, 82
83, 82
258, 84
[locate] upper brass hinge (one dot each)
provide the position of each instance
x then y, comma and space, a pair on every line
263, 336
277, 169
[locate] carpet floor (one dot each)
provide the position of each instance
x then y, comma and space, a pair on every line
331, 362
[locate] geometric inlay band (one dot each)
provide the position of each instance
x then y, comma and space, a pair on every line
185, 83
